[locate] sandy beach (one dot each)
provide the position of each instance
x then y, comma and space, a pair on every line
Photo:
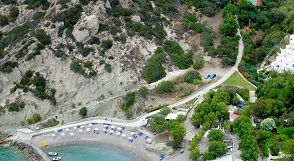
87, 135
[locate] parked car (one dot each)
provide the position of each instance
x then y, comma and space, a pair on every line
212, 76
206, 76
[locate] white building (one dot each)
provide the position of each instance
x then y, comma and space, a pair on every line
285, 59
174, 114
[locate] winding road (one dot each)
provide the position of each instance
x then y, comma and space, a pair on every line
25, 134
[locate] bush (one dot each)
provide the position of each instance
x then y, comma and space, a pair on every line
8, 66
41, 35
14, 12
116, 21
16, 106
88, 64
154, 70
198, 61
83, 111
107, 67
94, 40
128, 101
164, 87
39, 15
143, 91
106, 44
70, 16
177, 54
192, 76
77, 68
3, 20
34, 119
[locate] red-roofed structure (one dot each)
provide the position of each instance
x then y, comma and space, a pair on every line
233, 117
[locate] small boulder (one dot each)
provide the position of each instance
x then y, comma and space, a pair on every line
136, 18
160, 148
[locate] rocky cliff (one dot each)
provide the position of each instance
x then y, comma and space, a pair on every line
91, 52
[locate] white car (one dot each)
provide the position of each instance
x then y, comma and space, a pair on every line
57, 158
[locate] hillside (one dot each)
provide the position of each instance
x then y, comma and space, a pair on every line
59, 56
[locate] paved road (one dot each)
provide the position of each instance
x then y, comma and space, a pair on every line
142, 119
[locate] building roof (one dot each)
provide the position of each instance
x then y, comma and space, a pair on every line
255, 2
234, 116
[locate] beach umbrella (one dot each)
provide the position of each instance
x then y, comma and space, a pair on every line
37, 128
82, 127
80, 130
132, 133
119, 128
56, 130
71, 133
74, 127
62, 134
123, 135
53, 134
88, 129
90, 124
130, 138
113, 127
149, 140
104, 129
105, 125
111, 131
118, 133
66, 129
96, 128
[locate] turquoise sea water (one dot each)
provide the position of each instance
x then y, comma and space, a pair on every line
90, 152
10, 154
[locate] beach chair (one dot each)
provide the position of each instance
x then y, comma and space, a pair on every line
146, 137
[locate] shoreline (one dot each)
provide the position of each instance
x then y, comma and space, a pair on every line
133, 152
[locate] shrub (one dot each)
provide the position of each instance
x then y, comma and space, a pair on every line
3, 20
88, 64
83, 111
143, 91
14, 12
116, 21
199, 61
77, 68
41, 35
70, 16
8, 66
107, 67
16, 106
192, 76
177, 54
164, 87
34, 119
106, 44
128, 101
154, 70
39, 15
94, 40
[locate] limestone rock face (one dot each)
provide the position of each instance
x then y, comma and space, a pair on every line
87, 25
160, 148
136, 18
80, 35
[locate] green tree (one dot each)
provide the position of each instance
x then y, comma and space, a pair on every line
14, 12
229, 10
83, 112
268, 124
106, 44
178, 132
229, 27
216, 149
288, 148
215, 135
181, 118
164, 87
165, 110
3, 20
195, 154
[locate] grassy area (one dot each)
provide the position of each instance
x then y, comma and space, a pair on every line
281, 159
237, 80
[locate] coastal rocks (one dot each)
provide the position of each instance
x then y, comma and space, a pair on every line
28, 151
160, 148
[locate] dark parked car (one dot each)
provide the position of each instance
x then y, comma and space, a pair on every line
212, 76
